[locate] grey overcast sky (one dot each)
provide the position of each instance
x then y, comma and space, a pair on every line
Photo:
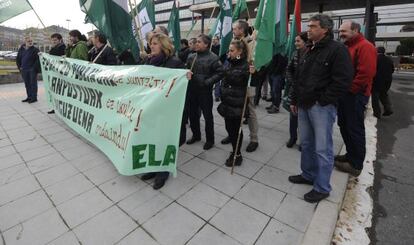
53, 12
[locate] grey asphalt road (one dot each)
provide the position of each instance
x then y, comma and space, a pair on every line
393, 192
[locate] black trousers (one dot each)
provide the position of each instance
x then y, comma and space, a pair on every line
201, 101
351, 115
232, 127
382, 97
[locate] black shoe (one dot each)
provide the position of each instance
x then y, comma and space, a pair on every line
273, 110
314, 196
148, 176
26, 100
226, 140
245, 122
291, 142
229, 159
217, 99
387, 113
32, 101
192, 140
347, 168
340, 158
208, 145
298, 179
237, 162
158, 183
51, 112
269, 107
269, 99
252, 146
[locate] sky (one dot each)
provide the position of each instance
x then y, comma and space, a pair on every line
52, 12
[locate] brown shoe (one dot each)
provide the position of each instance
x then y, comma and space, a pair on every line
347, 168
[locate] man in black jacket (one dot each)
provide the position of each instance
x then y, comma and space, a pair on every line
28, 63
103, 54
207, 70
381, 84
276, 72
58, 49
325, 74
185, 51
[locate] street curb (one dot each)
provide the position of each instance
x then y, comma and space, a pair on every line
322, 226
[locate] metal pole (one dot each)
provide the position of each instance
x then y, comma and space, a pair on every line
202, 22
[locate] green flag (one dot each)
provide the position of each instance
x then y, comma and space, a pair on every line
225, 25
131, 113
265, 25
11, 8
240, 7
281, 27
146, 17
295, 28
174, 27
112, 18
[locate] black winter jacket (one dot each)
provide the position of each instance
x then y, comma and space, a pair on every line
233, 88
107, 57
58, 50
183, 54
325, 74
383, 78
169, 62
207, 71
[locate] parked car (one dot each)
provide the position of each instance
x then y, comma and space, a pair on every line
11, 56
3, 53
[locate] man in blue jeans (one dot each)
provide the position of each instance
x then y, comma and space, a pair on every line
28, 63
324, 75
276, 73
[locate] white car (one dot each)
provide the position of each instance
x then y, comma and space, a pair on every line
11, 56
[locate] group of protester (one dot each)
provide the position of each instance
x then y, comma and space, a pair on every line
324, 79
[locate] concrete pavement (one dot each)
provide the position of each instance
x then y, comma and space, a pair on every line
55, 188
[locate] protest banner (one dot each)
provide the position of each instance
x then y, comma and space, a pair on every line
131, 113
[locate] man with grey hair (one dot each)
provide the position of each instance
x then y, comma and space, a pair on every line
324, 75
351, 107
28, 64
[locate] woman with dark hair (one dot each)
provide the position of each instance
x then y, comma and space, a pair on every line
233, 92
291, 75
162, 55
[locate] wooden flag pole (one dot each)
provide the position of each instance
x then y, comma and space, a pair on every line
96, 58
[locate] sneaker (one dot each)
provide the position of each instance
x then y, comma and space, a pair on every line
147, 176
208, 145
237, 162
193, 140
225, 141
291, 142
314, 196
340, 158
252, 146
387, 113
273, 110
298, 179
26, 100
347, 168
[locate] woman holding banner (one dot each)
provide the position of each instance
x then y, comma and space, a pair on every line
162, 55
233, 92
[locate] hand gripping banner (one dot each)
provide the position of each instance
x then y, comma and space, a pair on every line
131, 113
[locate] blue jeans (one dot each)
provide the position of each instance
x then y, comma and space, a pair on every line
30, 82
276, 83
217, 90
317, 159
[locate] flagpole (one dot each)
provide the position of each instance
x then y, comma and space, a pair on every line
241, 124
36, 14
211, 16
96, 58
137, 26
